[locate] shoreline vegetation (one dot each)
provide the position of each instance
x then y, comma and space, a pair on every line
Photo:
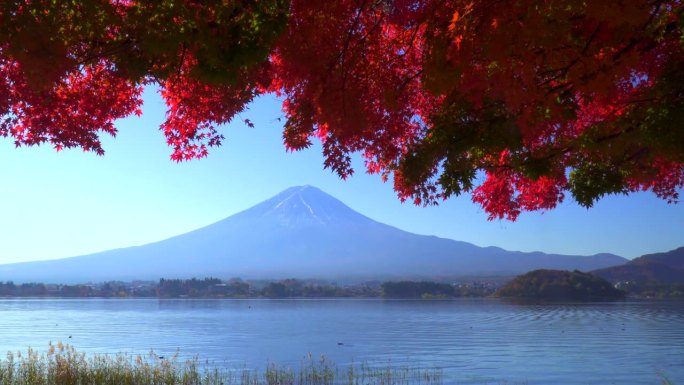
63, 365
238, 288
545, 285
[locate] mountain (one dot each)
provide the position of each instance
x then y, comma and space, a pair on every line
673, 258
660, 267
301, 232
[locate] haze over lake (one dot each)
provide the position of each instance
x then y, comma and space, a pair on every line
473, 341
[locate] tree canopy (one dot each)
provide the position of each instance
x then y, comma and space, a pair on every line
517, 103
559, 285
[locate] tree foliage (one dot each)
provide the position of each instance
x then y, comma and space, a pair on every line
423, 289
517, 103
559, 285
433, 290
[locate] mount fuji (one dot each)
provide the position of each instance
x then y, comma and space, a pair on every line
304, 233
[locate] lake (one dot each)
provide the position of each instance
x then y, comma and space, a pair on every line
474, 341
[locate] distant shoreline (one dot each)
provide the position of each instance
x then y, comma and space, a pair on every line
236, 288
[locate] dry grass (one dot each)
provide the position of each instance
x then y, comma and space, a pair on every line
63, 365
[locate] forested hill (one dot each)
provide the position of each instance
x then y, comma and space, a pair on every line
557, 285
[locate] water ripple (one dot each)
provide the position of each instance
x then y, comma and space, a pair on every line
473, 341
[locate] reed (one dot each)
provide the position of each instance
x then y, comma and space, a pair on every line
62, 365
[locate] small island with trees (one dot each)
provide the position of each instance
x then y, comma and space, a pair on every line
560, 285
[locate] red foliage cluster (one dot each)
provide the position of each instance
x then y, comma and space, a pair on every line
70, 113
515, 102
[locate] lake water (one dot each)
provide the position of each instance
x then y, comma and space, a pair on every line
473, 341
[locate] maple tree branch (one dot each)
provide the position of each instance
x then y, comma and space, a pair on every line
568, 147
632, 43
92, 55
410, 79
345, 75
350, 34
563, 71
180, 64
591, 38
560, 86
640, 153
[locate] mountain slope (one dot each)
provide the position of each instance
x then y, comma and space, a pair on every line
659, 267
301, 232
673, 258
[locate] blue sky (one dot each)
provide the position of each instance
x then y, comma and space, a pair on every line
57, 205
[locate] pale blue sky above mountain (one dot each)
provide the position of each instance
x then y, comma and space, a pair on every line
73, 203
